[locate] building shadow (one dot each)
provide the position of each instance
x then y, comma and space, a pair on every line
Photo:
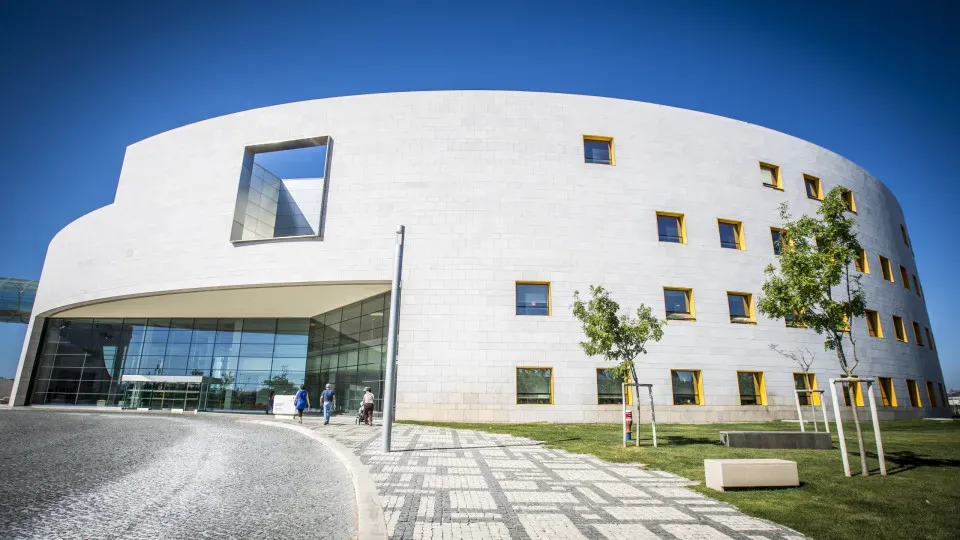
681, 440
477, 446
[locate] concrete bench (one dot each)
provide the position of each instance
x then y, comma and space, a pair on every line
777, 440
750, 473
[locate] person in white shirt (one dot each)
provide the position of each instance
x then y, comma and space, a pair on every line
368, 406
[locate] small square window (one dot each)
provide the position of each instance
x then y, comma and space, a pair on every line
931, 395
860, 261
888, 395
741, 307
903, 232
874, 329
731, 234
671, 228
904, 277
598, 150
770, 176
886, 269
849, 201
609, 388
914, 391
916, 334
687, 387
752, 388
806, 381
533, 298
534, 386
813, 187
776, 236
679, 303
900, 329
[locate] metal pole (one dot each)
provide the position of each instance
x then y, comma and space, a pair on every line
823, 408
389, 388
876, 428
653, 416
839, 422
796, 397
623, 414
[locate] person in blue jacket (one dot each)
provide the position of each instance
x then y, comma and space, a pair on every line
329, 398
301, 401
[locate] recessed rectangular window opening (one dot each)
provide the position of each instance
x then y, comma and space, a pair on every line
903, 231
943, 395
687, 387
905, 277
597, 149
886, 269
790, 320
857, 393
610, 388
806, 381
679, 303
741, 307
282, 190
860, 261
849, 200
916, 286
914, 390
929, 339
533, 298
534, 386
752, 388
813, 187
888, 395
874, 328
731, 234
931, 395
916, 334
776, 236
671, 228
899, 328
770, 176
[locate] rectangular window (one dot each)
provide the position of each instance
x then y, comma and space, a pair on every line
813, 187
671, 228
916, 334
916, 286
888, 396
933, 344
752, 388
806, 381
900, 329
679, 303
904, 277
687, 387
943, 396
791, 321
929, 338
597, 149
931, 395
770, 176
857, 393
849, 201
776, 236
919, 288
886, 269
731, 234
860, 261
534, 386
741, 307
609, 388
914, 390
903, 231
874, 328
533, 298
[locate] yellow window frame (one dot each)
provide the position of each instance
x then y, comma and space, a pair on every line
775, 169
681, 222
931, 395
861, 262
780, 232
759, 383
900, 329
817, 184
886, 269
873, 318
690, 304
905, 277
850, 200
811, 381
888, 394
914, 390
629, 390
737, 230
549, 297
918, 336
751, 309
697, 387
516, 386
609, 141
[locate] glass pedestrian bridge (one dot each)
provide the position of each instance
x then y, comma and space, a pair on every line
16, 299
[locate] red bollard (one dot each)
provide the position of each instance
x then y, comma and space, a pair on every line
628, 422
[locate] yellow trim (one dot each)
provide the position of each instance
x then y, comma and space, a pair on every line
874, 317
918, 336
818, 184
690, 305
888, 394
697, 386
778, 181
758, 382
682, 222
750, 307
862, 263
549, 297
850, 200
914, 391
811, 381
778, 230
886, 269
905, 277
516, 381
629, 393
609, 140
738, 231
900, 329
931, 395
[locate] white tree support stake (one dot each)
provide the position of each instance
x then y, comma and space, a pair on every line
623, 417
823, 408
873, 418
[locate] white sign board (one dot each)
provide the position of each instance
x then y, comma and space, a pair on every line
284, 405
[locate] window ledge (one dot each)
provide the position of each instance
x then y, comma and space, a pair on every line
778, 188
739, 320
677, 317
819, 199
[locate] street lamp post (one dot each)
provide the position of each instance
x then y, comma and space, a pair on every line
390, 386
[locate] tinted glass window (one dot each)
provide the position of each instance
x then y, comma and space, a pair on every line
684, 388
728, 236
533, 299
668, 227
676, 302
533, 385
596, 151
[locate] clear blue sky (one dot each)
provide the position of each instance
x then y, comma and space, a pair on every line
876, 82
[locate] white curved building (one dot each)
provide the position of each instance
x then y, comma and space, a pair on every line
212, 266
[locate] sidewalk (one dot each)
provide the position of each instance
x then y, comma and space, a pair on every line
441, 483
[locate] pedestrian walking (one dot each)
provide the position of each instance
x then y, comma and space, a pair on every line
301, 401
329, 401
269, 408
368, 406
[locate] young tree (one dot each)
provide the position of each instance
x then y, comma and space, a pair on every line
803, 358
618, 338
813, 284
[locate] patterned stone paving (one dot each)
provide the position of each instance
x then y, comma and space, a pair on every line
446, 484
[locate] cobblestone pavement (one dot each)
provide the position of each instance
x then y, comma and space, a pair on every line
441, 483
97, 475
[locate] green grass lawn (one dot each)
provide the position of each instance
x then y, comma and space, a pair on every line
920, 497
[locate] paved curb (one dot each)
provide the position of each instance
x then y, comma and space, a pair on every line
371, 523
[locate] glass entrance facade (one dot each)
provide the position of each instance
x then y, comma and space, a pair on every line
82, 361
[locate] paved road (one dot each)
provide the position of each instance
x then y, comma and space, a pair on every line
92, 475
